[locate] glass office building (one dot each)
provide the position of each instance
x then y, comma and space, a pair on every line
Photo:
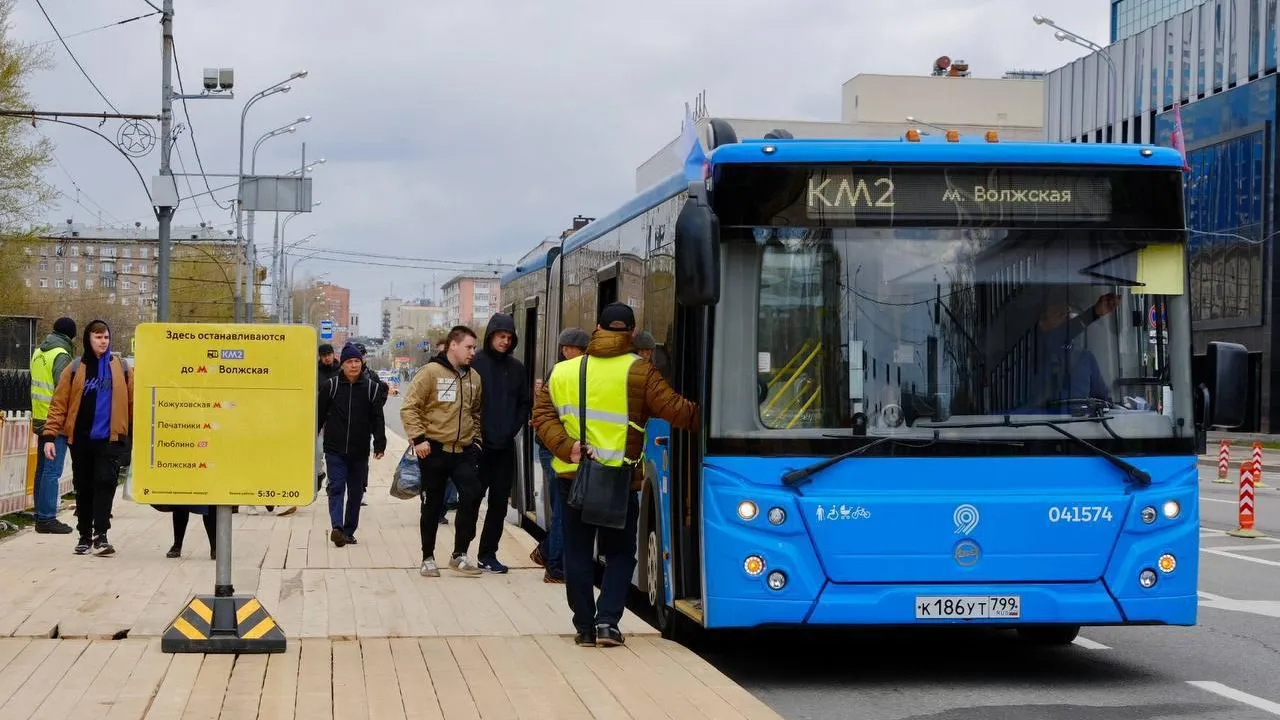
1130, 17
1218, 61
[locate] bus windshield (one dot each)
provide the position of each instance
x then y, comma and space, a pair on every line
912, 329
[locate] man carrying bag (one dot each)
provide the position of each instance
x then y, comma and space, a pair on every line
598, 463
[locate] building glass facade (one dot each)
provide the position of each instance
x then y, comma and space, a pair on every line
1217, 61
1130, 17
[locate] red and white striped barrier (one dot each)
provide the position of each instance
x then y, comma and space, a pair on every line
1257, 465
1247, 504
15, 443
1224, 461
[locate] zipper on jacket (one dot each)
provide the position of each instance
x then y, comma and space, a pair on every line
458, 440
347, 442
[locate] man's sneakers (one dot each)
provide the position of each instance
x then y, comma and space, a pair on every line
552, 579
338, 537
429, 568
102, 547
83, 545
536, 557
609, 636
52, 526
464, 567
585, 638
490, 564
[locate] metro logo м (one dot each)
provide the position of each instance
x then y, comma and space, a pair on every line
930, 392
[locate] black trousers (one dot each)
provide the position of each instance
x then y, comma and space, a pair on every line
619, 550
95, 473
180, 519
497, 473
437, 469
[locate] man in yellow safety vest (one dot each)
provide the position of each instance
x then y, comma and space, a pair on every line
623, 391
47, 364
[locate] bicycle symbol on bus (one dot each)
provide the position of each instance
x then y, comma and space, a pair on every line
842, 512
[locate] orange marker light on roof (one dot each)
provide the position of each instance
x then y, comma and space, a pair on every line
953, 136
992, 136
913, 135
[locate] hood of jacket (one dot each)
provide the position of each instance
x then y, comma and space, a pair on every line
88, 346
498, 323
443, 359
57, 340
609, 343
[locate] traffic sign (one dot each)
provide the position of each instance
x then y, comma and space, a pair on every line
214, 405
1155, 315
326, 329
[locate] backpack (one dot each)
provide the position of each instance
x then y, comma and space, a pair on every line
75, 364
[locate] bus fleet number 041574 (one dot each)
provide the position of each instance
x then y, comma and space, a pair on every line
1079, 513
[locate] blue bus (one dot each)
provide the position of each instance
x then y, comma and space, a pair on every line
942, 382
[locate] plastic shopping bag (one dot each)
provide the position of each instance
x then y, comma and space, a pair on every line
406, 481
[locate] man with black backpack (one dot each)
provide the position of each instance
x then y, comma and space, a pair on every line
349, 412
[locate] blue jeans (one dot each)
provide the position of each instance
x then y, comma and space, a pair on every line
552, 546
581, 544
347, 477
48, 472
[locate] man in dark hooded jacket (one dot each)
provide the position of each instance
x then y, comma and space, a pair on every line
507, 402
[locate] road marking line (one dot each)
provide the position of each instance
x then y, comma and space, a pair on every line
1246, 558
1228, 502
1237, 695
1088, 644
1247, 548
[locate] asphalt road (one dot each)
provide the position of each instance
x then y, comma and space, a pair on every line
391, 413
1225, 668
1228, 666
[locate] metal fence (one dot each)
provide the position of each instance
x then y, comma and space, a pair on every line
15, 390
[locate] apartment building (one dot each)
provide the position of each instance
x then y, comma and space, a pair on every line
471, 299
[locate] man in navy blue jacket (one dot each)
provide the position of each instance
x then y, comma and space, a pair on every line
349, 412
507, 402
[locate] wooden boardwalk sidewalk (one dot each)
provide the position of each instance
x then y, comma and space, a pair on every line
368, 636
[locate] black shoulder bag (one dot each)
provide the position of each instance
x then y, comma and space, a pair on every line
601, 492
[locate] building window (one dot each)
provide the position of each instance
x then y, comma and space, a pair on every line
44, 266
108, 267
128, 267
89, 251
88, 266
88, 283
57, 266
44, 282
142, 285
73, 267
57, 283
26, 251
124, 300
27, 281
44, 251
75, 251
73, 283
126, 284
124, 253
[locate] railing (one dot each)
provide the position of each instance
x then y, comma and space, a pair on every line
15, 390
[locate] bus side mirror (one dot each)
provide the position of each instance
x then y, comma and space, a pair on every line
697, 253
1227, 376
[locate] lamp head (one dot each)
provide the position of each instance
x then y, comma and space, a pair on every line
299, 75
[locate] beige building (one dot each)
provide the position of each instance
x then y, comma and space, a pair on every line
471, 299
877, 107
81, 266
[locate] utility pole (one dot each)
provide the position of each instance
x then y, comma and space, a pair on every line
165, 213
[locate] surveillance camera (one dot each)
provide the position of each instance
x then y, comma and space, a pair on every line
211, 78
226, 78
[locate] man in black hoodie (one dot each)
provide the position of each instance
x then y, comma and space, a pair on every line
349, 411
507, 402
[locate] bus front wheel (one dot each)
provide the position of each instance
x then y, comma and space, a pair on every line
1049, 635
656, 587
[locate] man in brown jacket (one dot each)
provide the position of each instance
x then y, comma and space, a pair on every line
648, 395
441, 416
93, 409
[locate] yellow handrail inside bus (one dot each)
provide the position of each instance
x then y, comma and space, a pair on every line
794, 376
782, 371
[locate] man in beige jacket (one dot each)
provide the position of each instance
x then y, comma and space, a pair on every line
441, 416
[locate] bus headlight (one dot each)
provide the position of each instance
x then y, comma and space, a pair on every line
777, 516
1172, 509
1167, 563
748, 510
1147, 578
754, 565
777, 580
1148, 514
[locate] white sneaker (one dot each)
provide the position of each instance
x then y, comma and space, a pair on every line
429, 568
463, 566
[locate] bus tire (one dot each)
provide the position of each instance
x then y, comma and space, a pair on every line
1049, 635
655, 585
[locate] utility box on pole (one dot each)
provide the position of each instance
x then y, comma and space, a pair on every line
275, 193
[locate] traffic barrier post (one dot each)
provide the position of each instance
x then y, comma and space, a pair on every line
1257, 465
1224, 461
1246, 509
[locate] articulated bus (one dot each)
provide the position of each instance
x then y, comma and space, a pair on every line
942, 382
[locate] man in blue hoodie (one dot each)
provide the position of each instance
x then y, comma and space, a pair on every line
507, 401
47, 364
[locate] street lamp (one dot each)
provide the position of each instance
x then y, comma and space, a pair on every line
1064, 35
278, 259
310, 167
253, 170
280, 87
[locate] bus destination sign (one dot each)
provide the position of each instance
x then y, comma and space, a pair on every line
966, 196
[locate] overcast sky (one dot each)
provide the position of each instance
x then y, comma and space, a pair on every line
467, 132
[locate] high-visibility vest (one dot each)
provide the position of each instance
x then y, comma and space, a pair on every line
42, 381
607, 421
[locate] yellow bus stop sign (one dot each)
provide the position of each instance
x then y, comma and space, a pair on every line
224, 414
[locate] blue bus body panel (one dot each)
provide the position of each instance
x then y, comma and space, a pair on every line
889, 152
867, 536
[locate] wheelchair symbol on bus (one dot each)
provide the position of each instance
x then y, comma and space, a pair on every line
842, 512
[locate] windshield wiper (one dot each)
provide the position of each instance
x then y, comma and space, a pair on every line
795, 478
1133, 474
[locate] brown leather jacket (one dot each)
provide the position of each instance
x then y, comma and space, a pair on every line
648, 395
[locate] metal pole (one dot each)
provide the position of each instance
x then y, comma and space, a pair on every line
222, 564
165, 214
275, 270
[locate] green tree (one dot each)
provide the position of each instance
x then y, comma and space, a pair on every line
24, 196
202, 283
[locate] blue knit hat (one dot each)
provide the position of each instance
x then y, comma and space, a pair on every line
349, 352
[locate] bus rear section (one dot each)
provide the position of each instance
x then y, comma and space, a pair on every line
950, 386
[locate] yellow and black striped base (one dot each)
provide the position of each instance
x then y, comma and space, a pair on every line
242, 626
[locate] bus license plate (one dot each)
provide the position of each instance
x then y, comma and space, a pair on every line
950, 607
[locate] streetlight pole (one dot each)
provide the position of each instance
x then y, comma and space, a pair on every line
244, 286
250, 305
164, 214
1064, 35
278, 259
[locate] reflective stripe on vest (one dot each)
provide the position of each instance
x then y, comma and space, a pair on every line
42, 381
607, 422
